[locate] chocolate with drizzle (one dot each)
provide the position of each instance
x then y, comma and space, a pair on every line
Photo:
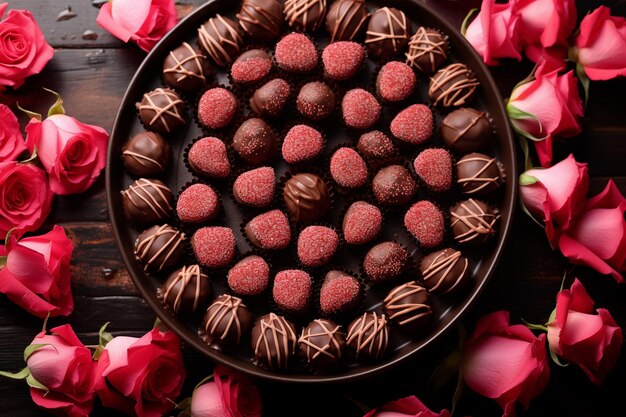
147, 201
473, 221
146, 154
428, 48
346, 19
185, 290
444, 271
221, 38
161, 110
225, 323
307, 197
305, 15
408, 306
322, 345
466, 130
273, 341
368, 336
186, 69
159, 247
261, 19
453, 85
479, 174
387, 33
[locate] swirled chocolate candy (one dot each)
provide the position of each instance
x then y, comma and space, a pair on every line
146, 154
261, 19
428, 48
221, 39
466, 130
147, 201
269, 100
187, 69
159, 247
444, 271
322, 345
479, 174
316, 100
186, 289
473, 221
368, 336
394, 185
274, 341
255, 142
305, 15
387, 33
385, 261
161, 110
225, 323
307, 197
346, 19
452, 86
408, 306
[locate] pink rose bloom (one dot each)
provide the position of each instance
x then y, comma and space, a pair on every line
73, 153
600, 46
597, 237
406, 407
506, 363
37, 274
554, 106
591, 341
23, 49
555, 195
142, 21
141, 376
11, 140
25, 197
65, 367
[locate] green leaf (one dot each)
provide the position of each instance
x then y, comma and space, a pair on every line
30, 349
32, 159
523, 143
466, 21
29, 113
33, 383
17, 375
584, 80
204, 381
3, 261
532, 326
525, 179
158, 324
555, 359
103, 336
57, 107
552, 317
98, 352
184, 404
529, 214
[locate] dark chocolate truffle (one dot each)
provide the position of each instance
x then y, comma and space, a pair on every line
322, 345
473, 221
425, 222
269, 230
408, 306
161, 110
342, 60
214, 246
395, 81
348, 169
394, 185
346, 19
385, 261
387, 33
307, 197
316, 101
479, 174
208, 156
249, 276
375, 145
360, 109
251, 67
339, 294
368, 336
270, 99
186, 289
273, 341
146, 154
466, 130
147, 201
428, 49
296, 53
292, 291
217, 108
362, 223
261, 19
197, 203
225, 323
255, 187
187, 69
444, 271
255, 142
159, 247
452, 86
317, 245
434, 167
221, 38
305, 15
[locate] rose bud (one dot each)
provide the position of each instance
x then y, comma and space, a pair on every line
405, 407
11, 140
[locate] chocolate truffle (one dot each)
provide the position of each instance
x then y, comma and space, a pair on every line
408, 306
159, 247
413, 125
368, 336
214, 246
444, 271
269, 230
473, 222
147, 201
317, 245
362, 223
225, 323
187, 69
360, 109
146, 154
255, 188
434, 167
394, 185
340, 293
208, 156
305, 15
269, 100
452, 86
292, 291
375, 145
217, 108
197, 203
249, 276
255, 142
273, 341
346, 19
387, 33
395, 81
221, 39
385, 261
307, 197
261, 19
302, 143
425, 222
296, 53
322, 345
466, 130
186, 289
251, 67
316, 101
348, 169
342, 60
479, 174
161, 110
428, 49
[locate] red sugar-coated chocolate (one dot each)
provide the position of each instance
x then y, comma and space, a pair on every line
250, 70
413, 124
208, 156
360, 109
302, 143
296, 53
362, 223
269, 230
385, 261
217, 107
348, 169
249, 276
317, 245
197, 203
256, 187
426, 223
292, 290
213, 246
342, 60
395, 81
339, 293
376, 145
434, 167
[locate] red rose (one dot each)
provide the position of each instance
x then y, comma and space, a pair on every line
142, 21
141, 376
504, 362
25, 197
23, 49
73, 153
37, 274
406, 407
591, 341
11, 140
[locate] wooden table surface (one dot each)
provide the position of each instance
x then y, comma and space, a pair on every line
92, 76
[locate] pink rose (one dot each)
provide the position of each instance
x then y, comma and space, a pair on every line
73, 153
600, 47
494, 32
25, 197
11, 140
506, 363
63, 366
406, 407
207, 401
141, 376
597, 237
546, 106
142, 21
591, 341
37, 274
